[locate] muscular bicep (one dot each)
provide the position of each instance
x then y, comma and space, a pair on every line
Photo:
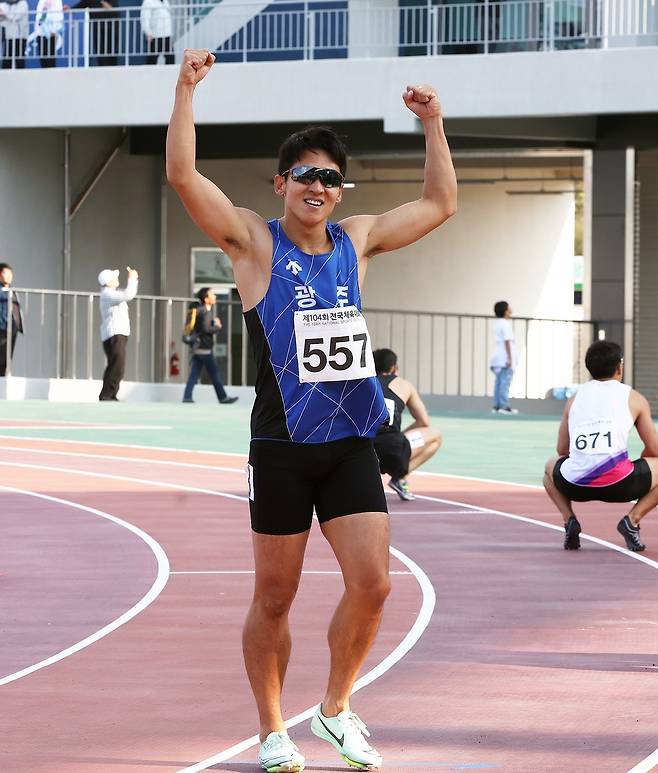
215, 214
396, 228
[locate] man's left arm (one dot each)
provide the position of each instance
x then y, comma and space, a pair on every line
409, 222
418, 410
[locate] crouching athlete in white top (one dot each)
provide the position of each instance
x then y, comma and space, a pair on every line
318, 403
593, 463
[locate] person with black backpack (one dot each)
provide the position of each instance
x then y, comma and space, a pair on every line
198, 334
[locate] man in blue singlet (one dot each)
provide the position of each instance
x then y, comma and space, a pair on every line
318, 404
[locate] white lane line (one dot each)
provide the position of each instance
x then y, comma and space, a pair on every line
411, 512
191, 451
150, 596
146, 482
525, 519
95, 427
647, 764
414, 634
251, 571
118, 458
652, 760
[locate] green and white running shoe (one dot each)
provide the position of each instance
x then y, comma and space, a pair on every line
278, 754
346, 732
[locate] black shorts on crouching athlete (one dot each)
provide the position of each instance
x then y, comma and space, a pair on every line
633, 486
287, 481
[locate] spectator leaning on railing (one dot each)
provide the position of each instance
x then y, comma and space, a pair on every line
14, 23
155, 17
105, 30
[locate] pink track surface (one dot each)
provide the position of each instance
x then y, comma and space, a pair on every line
535, 659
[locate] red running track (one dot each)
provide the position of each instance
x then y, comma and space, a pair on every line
534, 659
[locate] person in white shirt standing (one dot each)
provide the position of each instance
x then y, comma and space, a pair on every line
592, 444
115, 327
503, 360
155, 18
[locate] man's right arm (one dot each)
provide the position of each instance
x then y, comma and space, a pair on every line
210, 209
641, 411
563, 441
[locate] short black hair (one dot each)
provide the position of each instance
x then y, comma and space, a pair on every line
312, 138
500, 308
603, 358
385, 359
203, 292
3, 266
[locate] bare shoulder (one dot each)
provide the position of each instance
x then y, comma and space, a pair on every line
402, 388
358, 227
638, 403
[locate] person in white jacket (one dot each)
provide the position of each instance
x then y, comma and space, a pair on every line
115, 327
48, 26
155, 17
14, 23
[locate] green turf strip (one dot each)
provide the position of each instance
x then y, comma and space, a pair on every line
506, 448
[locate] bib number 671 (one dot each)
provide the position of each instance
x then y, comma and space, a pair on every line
339, 357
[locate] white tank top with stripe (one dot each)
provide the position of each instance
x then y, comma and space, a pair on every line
599, 422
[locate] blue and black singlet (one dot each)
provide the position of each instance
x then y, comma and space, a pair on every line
286, 409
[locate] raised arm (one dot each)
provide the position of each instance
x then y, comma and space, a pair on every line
210, 209
406, 224
115, 295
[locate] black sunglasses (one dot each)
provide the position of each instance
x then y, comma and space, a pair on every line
330, 178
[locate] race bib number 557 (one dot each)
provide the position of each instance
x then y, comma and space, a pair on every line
333, 345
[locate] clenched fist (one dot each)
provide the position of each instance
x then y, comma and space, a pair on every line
195, 66
423, 101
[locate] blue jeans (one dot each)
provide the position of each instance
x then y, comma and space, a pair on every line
501, 387
199, 362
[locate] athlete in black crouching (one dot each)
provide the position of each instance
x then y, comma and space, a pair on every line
318, 404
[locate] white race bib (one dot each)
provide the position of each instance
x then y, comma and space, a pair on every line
333, 345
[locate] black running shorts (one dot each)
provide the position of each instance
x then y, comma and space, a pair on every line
394, 452
287, 481
633, 486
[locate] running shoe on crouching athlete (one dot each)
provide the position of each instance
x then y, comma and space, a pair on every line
401, 488
346, 732
571, 534
631, 535
278, 754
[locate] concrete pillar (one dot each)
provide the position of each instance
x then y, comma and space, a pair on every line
612, 247
646, 282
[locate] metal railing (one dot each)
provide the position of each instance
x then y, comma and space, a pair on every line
324, 29
443, 354
62, 338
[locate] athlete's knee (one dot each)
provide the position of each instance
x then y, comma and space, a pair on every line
372, 589
275, 600
549, 466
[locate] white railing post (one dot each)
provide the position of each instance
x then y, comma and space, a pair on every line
90, 326
486, 26
85, 39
